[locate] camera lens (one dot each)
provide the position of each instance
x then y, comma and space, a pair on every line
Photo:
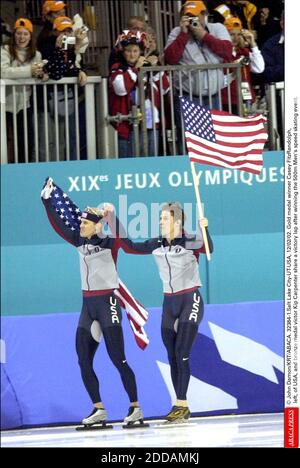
194, 22
246, 61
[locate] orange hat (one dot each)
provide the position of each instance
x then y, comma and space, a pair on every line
53, 6
194, 8
62, 22
233, 23
224, 10
25, 24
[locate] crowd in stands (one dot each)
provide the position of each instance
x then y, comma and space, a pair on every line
55, 54
209, 32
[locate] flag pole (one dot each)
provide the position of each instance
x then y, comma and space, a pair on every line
200, 211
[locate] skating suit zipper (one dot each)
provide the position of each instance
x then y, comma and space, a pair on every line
169, 269
87, 268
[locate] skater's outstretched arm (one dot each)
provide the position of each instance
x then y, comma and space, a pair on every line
139, 248
119, 233
147, 247
55, 218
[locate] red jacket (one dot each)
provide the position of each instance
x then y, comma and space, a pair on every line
245, 72
123, 90
220, 47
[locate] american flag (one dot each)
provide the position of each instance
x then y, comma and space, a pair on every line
68, 211
136, 313
221, 139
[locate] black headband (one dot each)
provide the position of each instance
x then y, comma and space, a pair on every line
91, 217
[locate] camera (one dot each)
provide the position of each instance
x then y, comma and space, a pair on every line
68, 41
245, 60
194, 22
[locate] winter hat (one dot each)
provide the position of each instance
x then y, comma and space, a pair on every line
62, 22
25, 24
49, 6
129, 38
194, 8
224, 10
233, 23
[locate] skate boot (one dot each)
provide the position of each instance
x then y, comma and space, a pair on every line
134, 418
178, 415
96, 420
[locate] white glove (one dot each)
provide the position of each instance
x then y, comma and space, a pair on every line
47, 190
77, 22
108, 208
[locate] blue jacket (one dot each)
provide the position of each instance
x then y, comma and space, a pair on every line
273, 54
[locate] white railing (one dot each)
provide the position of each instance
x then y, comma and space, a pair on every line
61, 137
187, 80
275, 103
57, 123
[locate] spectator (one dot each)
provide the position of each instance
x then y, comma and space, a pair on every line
46, 38
46, 43
242, 9
273, 53
244, 46
221, 13
264, 24
151, 46
155, 58
123, 93
204, 43
20, 59
135, 24
62, 63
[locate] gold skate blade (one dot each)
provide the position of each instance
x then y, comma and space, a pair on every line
167, 424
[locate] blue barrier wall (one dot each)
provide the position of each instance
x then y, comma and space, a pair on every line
245, 215
237, 359
236, 364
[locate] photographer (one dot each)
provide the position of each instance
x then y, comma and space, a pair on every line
46, 39
62, 63
198, 42
46, 44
